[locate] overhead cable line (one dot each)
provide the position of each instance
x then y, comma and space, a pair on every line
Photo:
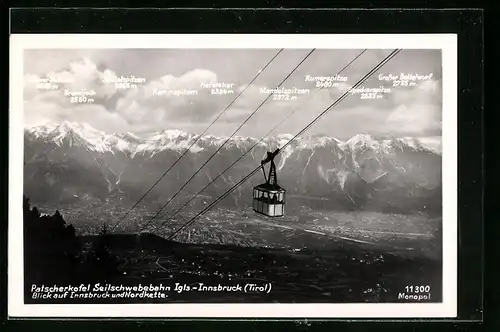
224, 143
340, 99
197, 139
253, 146
381, 64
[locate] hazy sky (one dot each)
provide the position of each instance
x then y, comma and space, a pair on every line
404, 111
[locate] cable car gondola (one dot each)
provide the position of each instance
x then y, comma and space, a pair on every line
269, 197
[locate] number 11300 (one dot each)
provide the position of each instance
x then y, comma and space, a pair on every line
418, 289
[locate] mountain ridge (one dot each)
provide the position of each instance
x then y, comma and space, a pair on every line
72, 162
175, 139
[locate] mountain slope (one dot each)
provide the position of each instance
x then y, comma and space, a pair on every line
69, 162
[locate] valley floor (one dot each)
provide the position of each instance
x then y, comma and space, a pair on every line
410, 234
312, 257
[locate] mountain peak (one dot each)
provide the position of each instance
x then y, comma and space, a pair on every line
75, 126
129, 134
69, 124
361, 142
168, 134
360, 138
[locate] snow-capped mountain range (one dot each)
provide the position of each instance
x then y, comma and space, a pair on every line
98, 141
72, 160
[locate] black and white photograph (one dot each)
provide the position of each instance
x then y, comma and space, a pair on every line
235, 171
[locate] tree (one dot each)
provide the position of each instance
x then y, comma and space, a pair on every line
100, 263
51, 247
58, 220
35, 213
26, 204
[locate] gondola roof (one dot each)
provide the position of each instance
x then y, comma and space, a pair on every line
268, 186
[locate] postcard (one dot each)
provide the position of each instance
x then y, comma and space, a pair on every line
233, 176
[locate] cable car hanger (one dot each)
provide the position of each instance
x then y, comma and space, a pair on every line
271, 179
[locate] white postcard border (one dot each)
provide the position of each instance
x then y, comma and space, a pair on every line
446, 42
